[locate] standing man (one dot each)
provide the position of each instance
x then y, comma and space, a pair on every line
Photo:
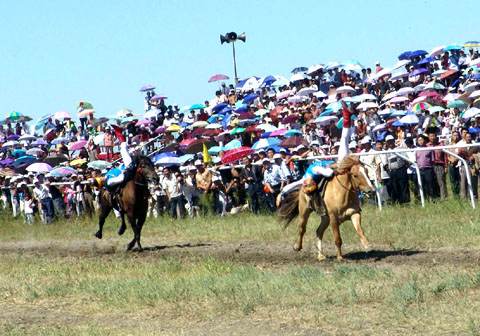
440, 163
273, 182
252, 177
42, 195
397, 184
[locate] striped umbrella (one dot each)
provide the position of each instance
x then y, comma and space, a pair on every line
13, 116
421, 106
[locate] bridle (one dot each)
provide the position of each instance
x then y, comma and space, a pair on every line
347, 171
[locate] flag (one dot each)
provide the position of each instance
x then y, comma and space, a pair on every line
118, 133
206, 155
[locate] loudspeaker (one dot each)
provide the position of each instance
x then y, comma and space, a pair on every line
232, 37
224, 38
242, 37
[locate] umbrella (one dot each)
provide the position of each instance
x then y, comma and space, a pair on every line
196, 107
219, 107
85, 105
306, 91
292, 133
475, 94
457, 104
422, 106
278, 132
218, 78
417, 72
98, 122
24, 159
325, 120
160, 129
405, 91
62, 115
261, 112
410, 119
451, 96
289, 119
212, 126
315, 68
86, 113
168, 161
77, 145
284, 94
214, 118
211, 132
293, 142
267, 127
297, 77
158, 97
426, 60
471, 112
250, 98
471, 44
214, 150
197, 146
265, 142
42, 121
380, 127
198, 132
295, 99
399, 75
77, 162
38, 142
58, 141
252, 129
173, 128
472, 87
19, 152
434, 86
280, 81
367, 105
237, 130
436, 109
6, 162
399, 99
417, 53
404, 56
232, 145
398, 113
152, 113
63, 171
187, 157
99, 164
39, 167
447, 73
199, 124
345, 89
236, 154
14, 116
299, 69
11, 143
400, 64
437, 51
13, 137
34, 151
143, 122
454, 46
147, 88
123, 113
55, 159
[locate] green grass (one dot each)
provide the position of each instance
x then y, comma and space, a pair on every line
93, 291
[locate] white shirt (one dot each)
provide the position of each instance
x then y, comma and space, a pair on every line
171, 185
41, 192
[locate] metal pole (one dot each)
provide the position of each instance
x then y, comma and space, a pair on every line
419, 178
467, 173
377, 186
234, 64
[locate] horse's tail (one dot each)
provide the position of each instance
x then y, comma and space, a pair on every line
288, 211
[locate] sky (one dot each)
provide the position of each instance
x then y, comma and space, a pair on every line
57, 53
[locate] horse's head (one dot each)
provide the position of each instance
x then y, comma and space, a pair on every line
146, 167
359, 178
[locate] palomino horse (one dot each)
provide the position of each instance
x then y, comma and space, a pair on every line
132, 201
341, 202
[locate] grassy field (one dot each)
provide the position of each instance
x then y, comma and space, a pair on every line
240, 276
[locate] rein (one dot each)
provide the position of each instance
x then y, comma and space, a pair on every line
343, 186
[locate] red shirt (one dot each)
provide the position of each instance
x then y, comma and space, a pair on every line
346, 118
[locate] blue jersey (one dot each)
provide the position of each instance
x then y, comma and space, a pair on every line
113, 173
310, 173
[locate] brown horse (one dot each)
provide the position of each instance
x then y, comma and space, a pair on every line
341, 202
132, 201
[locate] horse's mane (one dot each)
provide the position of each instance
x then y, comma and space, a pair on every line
346, 163
138, 158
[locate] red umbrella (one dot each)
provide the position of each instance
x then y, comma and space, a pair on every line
236, 154
246, 115
447, 73
197, 146
290, 119
211, 132
217, 78
252, 129
198, 131
294, 141
186, 142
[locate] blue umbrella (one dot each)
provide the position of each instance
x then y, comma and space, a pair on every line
477, 76
398, 113
250, 98
225, 110
215, 149
381, 136
398, 123
265, 134
417, 53
405, 55
196, 107
275, 148
185, 158
233, 144
58, 141
327, 112
214, 117
292, 133
219, 107
42, 121
267, 81
160, 156
39, 142
241, 109
299, 69
453, 46
474, 130
265, 142
426, 60
18, 152
24, 159
417, 72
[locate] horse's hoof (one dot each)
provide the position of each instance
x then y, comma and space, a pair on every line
339, 258
368, 248
296, 248
121, 231
98, 234
321, 257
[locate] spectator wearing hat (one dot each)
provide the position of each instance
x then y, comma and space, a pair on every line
273, 182
397, 182
171, 186
42, 195
372, 162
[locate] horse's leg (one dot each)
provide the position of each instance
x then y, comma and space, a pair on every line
336, 236
140, 222
320, 231
133, 224
105, 210
123, 227
303, 214
357, 224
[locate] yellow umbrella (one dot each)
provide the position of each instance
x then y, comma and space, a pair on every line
77, 162
173, 128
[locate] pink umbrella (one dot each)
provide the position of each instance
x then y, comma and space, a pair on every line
428, 93
77, 145
419, 99
284, 94
278, 132
160, 129
143, 122
61, 115
158, 97
39, 167
186, 142
218, 78
399, 99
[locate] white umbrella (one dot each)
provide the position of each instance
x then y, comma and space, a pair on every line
437, 51
10, 143
168, 161
367, 105
315, 68
298, 76
306, 91
366, 96
419, 87
379, 128
319, 94
387, 111
410, 119
399, 75
471, 87
389, 96
123, 113
345, 89
213, 126
267, 127
26, 137
250, 84
353, 67
34, 151
471, 112
405, 91
381, 73
325, 120
98, 139
475, 94
399, 64
296, 99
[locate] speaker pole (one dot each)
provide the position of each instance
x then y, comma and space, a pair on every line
234, 64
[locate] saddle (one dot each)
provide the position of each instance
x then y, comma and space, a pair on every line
315, 198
